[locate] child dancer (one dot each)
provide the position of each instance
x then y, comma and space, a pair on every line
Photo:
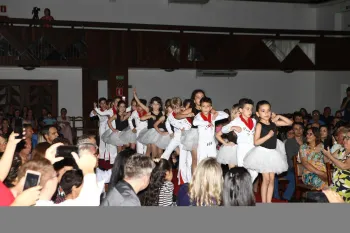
184, 173
190, 138
128, 135
139, 125
245, 138
228, 151
149, 136
164, 138
102, 128
264, 158
206, 129
111, 150
120, 121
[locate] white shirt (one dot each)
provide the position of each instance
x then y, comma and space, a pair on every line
104, 117
246, 135
178, 124
206, 130
89, 194
139, 124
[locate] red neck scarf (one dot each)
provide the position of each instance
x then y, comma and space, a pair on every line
189, 119
102, 110
206, 118
114, 111
249, 124
174, 114
142, 113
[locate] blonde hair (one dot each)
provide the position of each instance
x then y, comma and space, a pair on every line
206, 186
175, 102
234, 111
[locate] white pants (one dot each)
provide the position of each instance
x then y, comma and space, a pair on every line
185, 165
113, 152
102, 145
175, 142
242, 150
140, 148
205, 150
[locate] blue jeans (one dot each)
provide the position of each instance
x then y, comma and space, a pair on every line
290, 188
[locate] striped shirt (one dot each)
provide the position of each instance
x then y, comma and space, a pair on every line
166, 194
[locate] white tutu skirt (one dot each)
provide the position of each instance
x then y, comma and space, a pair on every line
265, 160
281, 147
148, 136
115, 140
227, 155
163, 141
128, 136
106, 134
189, 139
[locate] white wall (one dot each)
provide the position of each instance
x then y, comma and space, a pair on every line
103, 89
331, 16
329, 88
285, 92
215, 13
69, 84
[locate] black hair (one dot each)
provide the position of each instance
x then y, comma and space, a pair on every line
20, 146
260, 103
297, 114
245, 101
206, 100
118, 167
195, 92
348, 89
102, 99
238, 189
64, 109
61, 140
316, 111
190, 102
298, 123
327, 107
45, 130
121, 102
13, 173
69, 179
158, 100
157, 179
143, 101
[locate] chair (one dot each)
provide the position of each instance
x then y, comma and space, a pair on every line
300, 187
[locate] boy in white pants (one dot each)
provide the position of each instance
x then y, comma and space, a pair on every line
245, 138
140, 125
205, 120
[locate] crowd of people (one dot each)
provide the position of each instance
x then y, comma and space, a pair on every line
180, 153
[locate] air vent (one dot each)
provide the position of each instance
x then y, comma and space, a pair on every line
189, 1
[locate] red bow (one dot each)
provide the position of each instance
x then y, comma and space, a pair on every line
249, 124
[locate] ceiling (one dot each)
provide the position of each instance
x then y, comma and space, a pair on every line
290, 1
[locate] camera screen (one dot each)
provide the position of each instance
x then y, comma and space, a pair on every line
32, 180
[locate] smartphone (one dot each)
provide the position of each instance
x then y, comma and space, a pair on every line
32, 179
18, 128
66, 151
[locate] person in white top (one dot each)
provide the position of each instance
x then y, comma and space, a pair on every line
245, 137
110, 149
184, 173
91, 190
140, 125
103, 126
205, 120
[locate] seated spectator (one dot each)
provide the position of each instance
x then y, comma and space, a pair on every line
326, 137
205, 188
327, 117
50, 133
238, 190
314, 172
40, 150
137, 172
49, 120
316, 118
5, 129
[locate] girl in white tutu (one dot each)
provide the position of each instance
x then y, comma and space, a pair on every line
130, 136
228, 151
149, 135
190, 137
264, 158
119, 128
164, 138
139, 125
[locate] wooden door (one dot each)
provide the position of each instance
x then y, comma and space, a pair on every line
33, 94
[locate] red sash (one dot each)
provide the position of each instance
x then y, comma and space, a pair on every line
208, 119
